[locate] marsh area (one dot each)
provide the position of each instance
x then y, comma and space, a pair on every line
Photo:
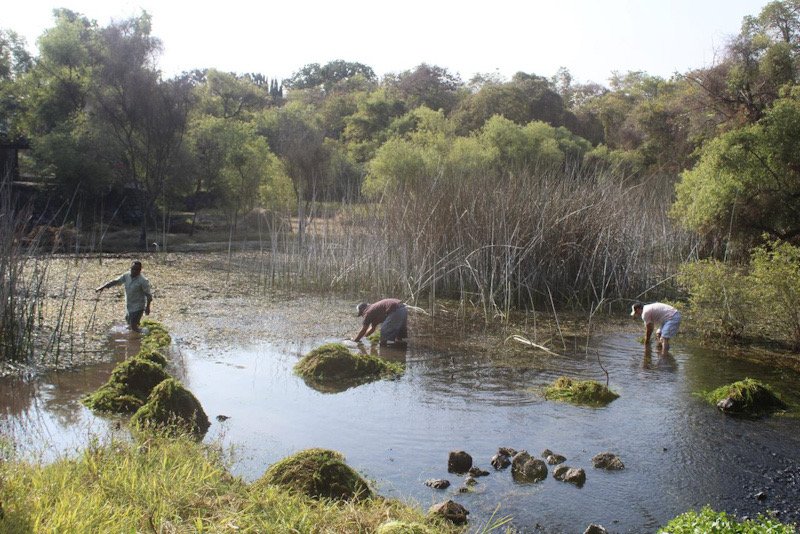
463, 389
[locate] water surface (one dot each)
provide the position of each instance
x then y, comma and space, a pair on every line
679, 452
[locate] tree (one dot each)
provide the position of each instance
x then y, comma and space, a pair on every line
426, 85
142, 117
327, 77
747, 182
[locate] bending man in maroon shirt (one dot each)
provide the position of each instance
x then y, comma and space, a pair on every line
391, 314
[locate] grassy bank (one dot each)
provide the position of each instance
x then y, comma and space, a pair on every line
163, 485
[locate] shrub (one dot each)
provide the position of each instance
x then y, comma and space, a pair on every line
719, 298
775, 280
707, 520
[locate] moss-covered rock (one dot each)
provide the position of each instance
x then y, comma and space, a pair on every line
318, 473
333, 367
154, 356
587, 392
746, 397
173, 408
128, 388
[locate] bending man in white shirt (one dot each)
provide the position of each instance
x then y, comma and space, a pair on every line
659, 316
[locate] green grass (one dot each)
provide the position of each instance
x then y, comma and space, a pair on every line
334, 361
161, 485
587, 392
708, 521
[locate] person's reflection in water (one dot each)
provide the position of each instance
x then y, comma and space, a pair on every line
665, 360
393, 353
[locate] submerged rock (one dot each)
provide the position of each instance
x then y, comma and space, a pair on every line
318, 473
333, 367
555, 459
437, 483
587, 392
458, 462
477, 472
450, 510
607, 460
525, 468
500, 461
172, 407
746, 397
128, 387
595, 529
507, 451
573, 475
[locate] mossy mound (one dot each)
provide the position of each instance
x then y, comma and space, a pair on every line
128, 388
746, 397
154, 356
318, 473
587, 392
375, 337
173, 408
157, 336
333, 363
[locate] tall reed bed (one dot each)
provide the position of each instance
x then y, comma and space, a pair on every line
533, 240
37, 303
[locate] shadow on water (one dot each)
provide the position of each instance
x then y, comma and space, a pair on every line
679, 451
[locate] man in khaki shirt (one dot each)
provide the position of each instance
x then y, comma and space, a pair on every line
138, 295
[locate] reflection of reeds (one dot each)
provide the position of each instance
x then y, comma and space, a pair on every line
534, 241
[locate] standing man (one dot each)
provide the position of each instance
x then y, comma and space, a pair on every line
665, 316
391, 314
137, 294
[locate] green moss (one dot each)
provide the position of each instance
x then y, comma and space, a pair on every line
707, 520
154, 356
580, 392
128, 388
333, 362
157, 336
746, 396
318, 473
375, 337
172, 407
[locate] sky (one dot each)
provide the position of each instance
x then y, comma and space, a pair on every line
591, 38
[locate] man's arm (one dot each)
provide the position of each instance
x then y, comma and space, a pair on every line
149, 300
365, 331
111, 283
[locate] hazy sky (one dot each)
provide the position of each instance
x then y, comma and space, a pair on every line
591, 38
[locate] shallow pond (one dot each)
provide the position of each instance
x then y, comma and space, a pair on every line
679, 452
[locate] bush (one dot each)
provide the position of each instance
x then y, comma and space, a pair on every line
775, 280
707, 520
719, 298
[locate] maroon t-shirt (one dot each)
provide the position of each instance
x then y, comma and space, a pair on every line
378, 312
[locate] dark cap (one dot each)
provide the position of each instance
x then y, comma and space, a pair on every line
361, 308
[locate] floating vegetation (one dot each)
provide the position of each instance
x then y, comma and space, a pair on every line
156, 336
589, 392
746, 397
333, 367
174, 408
318, 473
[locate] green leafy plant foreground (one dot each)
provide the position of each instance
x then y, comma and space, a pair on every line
707, 521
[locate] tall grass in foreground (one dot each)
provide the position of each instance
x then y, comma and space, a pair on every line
179, 485
535, 240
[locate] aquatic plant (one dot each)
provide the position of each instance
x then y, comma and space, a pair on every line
747, 396
707, 520
173, 408
174, 485
318, 473
580, 392
333, 362
156, 336
128, 387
